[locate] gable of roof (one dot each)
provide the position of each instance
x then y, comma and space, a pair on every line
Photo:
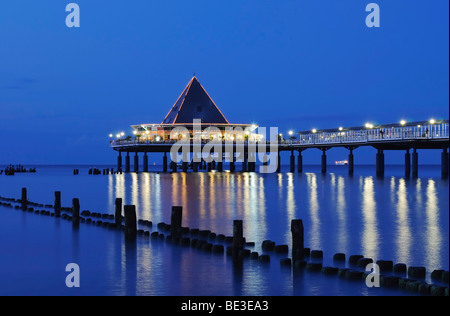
194, 103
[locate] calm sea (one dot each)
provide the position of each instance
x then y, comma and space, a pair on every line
404, 220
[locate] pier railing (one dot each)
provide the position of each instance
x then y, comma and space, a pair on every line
335, 137
382, 134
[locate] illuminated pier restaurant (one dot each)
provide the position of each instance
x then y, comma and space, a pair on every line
197, 121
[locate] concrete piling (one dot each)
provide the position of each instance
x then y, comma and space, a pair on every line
127, 162
165, 162
407, 164
136, 162
351, 164
380, 163
119, 161
444, 163
415, 163
324, 161
299, 162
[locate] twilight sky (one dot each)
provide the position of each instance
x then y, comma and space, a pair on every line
287, 63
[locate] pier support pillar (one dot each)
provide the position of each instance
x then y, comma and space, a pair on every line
278, 162
119, 162
245, 162
185, 166
292, 162
130, 221
251, 162
24, 199
351, 164
232, 163
145, 162
127, 162
57, 203
415, 163
300, 162
238, 241
118, 211
136, 163
380, 163
175, 221
220, 166
407, 164
324, 161
165, 162
195, 166
444, 163
173, 166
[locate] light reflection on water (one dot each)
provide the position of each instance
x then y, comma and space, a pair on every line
391, 219
331, 213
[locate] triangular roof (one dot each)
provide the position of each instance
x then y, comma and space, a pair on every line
194, 103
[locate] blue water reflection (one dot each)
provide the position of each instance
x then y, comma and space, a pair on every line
394, 218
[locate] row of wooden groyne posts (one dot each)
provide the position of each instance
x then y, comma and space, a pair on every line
394, 276
13, 169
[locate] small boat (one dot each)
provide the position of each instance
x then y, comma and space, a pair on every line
341, 162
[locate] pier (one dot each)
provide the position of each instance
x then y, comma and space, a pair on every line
195, 123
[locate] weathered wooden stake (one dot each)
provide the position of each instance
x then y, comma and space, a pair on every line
24, 199
118, 211
175, 221
130, 220
57, 203
297, 239
238, 239
76, 209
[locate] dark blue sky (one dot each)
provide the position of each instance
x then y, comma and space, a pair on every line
286, 63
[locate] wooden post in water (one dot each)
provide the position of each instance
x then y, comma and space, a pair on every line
24, 198
297, 239
130, 221
57, 203
119, 161
407, 164
175, 221
118, 211
238, 240
75, 209
380, 163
